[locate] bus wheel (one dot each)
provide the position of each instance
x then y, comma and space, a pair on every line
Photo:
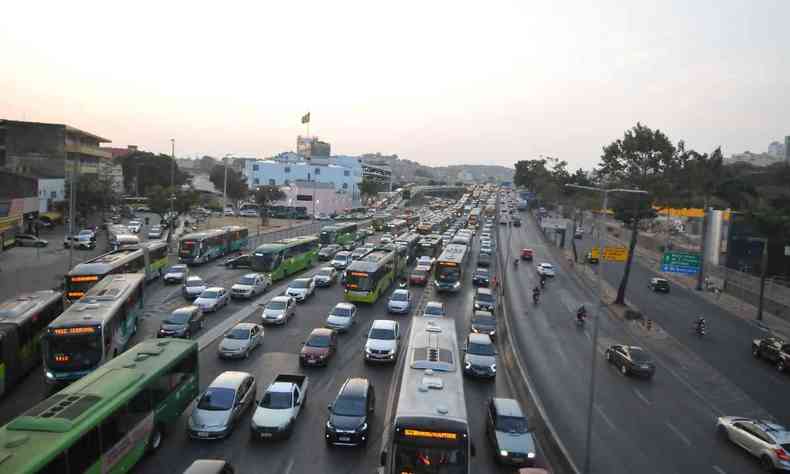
155, 440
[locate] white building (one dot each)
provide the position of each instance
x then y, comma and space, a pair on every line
327, 199
343, 172
50, 191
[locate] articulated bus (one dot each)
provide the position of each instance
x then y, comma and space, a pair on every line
23, 321
396, 227
206, 245
430, 430
285, 257
449, 272
107, 421
371, 276
94, 329
409, 240
474, 217
341, 234
149, 258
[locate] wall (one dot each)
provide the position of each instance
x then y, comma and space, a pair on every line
261, 173
50, 191
35, 149
328, 201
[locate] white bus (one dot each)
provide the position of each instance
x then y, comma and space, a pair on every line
430, 431
94, 329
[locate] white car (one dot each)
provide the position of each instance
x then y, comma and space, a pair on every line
383, 342
134, 226
765, 440
176, 273
229, 211
193, 287
250, 285
248, 213
425, 261
434, 309
240, 341
545, 269
279, 310
399, 302
212, 299
342, 317
301, 288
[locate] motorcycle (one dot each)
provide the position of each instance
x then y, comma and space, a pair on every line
515, 262
581, 315
700, 329
535, 297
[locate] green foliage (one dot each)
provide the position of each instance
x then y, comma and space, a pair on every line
237, 185
640, 159
369, 187
159, 199
265, 195
150, 170
93, 193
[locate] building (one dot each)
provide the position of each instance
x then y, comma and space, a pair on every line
48, 150
378, 173
312, 147
50, 192
343, 172
327, 199
18, 206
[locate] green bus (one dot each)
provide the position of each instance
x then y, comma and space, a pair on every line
341, 234
371, 276
23, 322
379, 222
107, 421
149, 258
204, 246
95, 329
285, 257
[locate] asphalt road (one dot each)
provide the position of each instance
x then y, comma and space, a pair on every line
727, 344
664, 425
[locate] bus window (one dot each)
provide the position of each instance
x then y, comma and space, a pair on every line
85, 452
183, 371
59, 465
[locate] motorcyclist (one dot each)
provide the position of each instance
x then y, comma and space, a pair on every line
515, 262
581, 313
700, 325
542, 281
535, 294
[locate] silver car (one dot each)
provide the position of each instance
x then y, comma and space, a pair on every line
342, 317
222, 405
250, 285
176, 273
765, 440
212, 299
241, 340
480, 357
193, 287
279, 310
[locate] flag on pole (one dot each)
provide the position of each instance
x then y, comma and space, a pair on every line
306, 118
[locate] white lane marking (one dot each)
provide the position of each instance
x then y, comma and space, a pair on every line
605, 418
719, 470
710, 404
678, 433
289, 467
641, 397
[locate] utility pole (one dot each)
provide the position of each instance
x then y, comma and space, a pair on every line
763, 274
72, 209
701, 274
172, 183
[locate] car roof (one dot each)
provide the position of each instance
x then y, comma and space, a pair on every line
480, 338
434, 303
250, 275
300, 279
508, 407
343, 304
326, 268
185, 309
229, 379
384, 324
284, 299
214, 288
400, 291
481, 269
321, 332
247, 326
484, 291
356, 387
194, 278
344, 253
487, 314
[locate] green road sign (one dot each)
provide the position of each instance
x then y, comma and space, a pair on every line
681, 262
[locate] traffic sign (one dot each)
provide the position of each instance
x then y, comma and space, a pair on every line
594, 253
615, 254
681, 262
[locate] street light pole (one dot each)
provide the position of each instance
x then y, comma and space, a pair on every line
225, 187
172, 183
593, 357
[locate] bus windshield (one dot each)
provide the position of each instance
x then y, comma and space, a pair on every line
433, 460
266, 261
447, 274
74, 352
359, 281
78, 285
188, 248
327, 237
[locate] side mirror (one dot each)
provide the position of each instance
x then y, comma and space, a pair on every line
383, 458
329, 407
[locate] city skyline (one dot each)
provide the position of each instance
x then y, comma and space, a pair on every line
430, 83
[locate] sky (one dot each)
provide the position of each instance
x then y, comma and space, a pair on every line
436, 82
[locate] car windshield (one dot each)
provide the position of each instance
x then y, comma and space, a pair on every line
177, 269
318, 340
398, 296
480, 349
639, 356
300, 283
247, 280
349, 407
546, 266
209, 294
325, 272
434, 310
276, 400
483, 320
481, 273
485, 297
382, 334
195, 283
341, 311
512, 424
217, 399
276, 305
239, 334
178, 317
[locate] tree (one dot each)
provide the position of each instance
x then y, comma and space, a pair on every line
237, 185
159, 200
142, 170
265, 195
640, 159
368, 187
185, 200
93, 193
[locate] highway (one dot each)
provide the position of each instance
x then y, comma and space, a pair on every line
665, 425
727, 345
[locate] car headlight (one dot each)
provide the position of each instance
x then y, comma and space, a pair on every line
493, 367
492, 332
531, 455
49, 375
503, 453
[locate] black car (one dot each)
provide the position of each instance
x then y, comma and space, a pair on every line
350, 413
239, 261
509, 434
182, 323
630, 360
484, 259
328, 253
659, 284
516, 222
484, 300
484, 322
481, 277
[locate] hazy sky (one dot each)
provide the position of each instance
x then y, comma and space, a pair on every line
438, 82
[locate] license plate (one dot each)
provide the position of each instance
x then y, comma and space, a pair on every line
202, 434
343, 438
518, 459
311, 361
266, 435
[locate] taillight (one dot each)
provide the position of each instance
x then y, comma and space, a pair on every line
782, 454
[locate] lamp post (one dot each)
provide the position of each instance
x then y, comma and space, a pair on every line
594, 358
172, 185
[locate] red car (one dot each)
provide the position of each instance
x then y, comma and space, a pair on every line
526, 254
419, 276
319, 347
